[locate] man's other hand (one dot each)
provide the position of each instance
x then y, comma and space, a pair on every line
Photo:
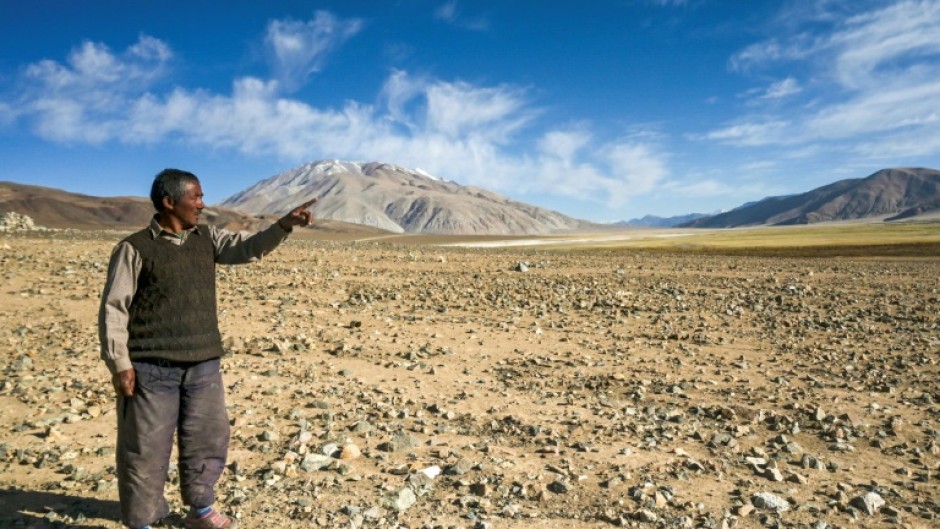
124, 382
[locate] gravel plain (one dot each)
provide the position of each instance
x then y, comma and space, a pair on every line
382, 385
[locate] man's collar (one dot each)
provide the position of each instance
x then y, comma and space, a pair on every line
156, 229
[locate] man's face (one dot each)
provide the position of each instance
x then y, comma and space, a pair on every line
189, 207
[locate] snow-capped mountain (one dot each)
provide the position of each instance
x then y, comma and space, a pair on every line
396, 199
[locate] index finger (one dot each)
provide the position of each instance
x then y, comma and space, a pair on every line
307, 204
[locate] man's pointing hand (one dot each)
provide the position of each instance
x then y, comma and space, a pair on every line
298, 216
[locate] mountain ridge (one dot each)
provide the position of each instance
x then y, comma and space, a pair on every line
58, 209
895, 193
413, 201
655, 221
399, 200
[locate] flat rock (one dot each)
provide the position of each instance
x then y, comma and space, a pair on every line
770, 502
869, 503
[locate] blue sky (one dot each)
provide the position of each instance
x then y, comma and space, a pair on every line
600, 109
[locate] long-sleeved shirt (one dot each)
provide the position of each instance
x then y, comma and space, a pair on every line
125, 266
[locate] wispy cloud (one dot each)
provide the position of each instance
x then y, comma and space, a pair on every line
564, 145
915, 106
7, 114
669, 3
299, 49
460, 110
452, 13
762, 54
751, 133
874, 80
894, 42
639, 166
762, 165
782, 89
447, 11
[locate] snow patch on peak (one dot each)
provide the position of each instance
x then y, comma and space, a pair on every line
331, 167
422, 172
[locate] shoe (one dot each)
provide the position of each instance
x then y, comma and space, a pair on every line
211, 520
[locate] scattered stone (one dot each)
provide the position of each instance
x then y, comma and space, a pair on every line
770, 502
560, 486
270, 436
398, 443
400, 500
431, 472
315, 462
350, 451
461, 467
420, 483
869, 503
646, 516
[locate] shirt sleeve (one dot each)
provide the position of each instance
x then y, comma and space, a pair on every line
114, 313
244, 247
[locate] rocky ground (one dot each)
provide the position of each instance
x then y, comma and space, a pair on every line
375, 385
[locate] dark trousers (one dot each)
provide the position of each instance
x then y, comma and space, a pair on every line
170, 397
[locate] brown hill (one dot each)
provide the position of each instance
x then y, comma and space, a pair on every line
54, 208
900, 193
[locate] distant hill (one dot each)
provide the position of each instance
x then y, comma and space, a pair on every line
895, 193
54, 208
652, 221
398, 200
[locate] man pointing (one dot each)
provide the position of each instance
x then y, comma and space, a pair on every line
159, 333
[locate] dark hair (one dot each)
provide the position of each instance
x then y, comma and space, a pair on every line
170, 183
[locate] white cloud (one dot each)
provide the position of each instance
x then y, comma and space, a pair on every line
477, 135
85, 99
94, 66
299, 49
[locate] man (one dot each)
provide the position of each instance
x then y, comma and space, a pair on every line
160, 339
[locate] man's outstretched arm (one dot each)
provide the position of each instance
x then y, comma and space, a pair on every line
242, 247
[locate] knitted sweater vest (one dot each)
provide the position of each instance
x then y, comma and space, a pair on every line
173, 314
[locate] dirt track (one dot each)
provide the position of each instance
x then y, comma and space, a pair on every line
592, 389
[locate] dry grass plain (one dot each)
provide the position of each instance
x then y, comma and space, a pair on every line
629, 379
